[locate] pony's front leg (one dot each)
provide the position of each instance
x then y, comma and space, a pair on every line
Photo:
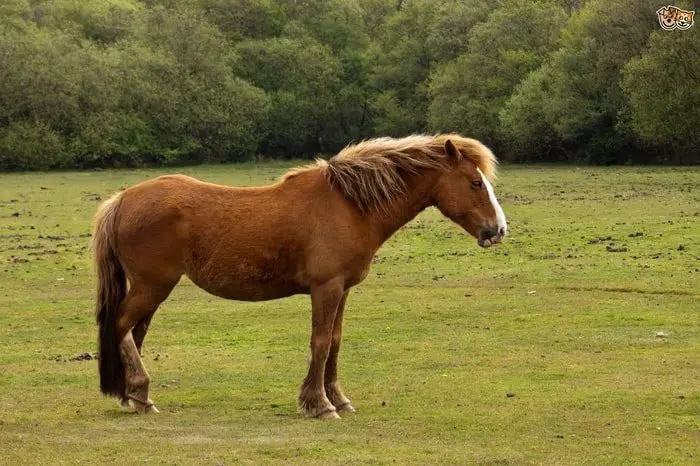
325, 299
333, 390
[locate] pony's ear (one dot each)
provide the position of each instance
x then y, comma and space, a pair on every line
452, 152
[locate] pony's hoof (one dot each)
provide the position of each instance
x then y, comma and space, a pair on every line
345, 408
328, 415
143, 408
151, 409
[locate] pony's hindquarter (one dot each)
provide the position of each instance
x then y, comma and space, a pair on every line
111, 291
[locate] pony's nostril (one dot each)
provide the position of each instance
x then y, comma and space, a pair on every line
502, 231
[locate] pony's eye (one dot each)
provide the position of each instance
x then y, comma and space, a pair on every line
477, 184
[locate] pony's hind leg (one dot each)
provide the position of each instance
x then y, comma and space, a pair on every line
137, 379
333, 389
139, 334
141, 303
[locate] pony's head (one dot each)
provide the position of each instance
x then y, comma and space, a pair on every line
376, 176
464, 193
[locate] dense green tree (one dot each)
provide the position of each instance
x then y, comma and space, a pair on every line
245, 19
163, 92
102, 22
571, 5
337, 24
415, 39
31, 145
48, 81
468, 93
525, 132
133, 82
581, 83
303, 80
191, 97
663, 93
449, 31
400, 64
375, 13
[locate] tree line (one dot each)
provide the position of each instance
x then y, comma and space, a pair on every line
104, 83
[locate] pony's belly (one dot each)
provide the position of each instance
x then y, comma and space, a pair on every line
250, 290
253, 292
261, 274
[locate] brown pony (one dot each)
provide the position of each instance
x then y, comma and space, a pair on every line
314, 232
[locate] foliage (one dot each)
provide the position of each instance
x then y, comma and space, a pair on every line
31, 145
581, 84
400, 63
663, 100
127, 82
468, 93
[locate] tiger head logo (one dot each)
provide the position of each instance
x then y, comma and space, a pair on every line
671, 17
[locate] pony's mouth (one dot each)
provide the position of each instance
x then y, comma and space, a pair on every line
487, 243
486, 239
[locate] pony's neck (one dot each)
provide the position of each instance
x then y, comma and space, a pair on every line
419, 195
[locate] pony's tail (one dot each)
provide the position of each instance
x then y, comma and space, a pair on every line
111, 290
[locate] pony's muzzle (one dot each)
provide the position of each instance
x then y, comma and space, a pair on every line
490, 236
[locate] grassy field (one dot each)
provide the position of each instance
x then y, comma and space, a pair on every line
566, 315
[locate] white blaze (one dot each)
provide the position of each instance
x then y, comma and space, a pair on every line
500, 216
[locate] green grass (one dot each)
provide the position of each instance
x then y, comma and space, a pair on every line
434, 338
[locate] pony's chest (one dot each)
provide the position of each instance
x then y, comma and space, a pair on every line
357, 276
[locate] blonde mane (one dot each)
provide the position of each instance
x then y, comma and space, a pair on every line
372, 173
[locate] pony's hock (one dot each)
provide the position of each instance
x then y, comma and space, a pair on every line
153, 233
